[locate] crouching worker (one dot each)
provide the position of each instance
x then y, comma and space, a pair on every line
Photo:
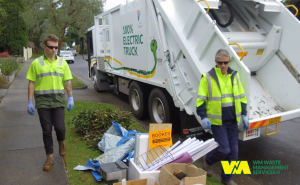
221, 104
48, 76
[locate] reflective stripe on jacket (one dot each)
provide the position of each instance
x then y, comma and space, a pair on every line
49, 79
218, 95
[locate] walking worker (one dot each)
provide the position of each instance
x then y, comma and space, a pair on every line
222, 104
48, 76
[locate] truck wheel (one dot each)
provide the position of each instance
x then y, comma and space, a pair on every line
94, 79
159, 107
137, 100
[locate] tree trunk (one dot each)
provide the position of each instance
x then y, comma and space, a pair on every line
61, 39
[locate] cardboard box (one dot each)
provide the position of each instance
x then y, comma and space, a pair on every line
135, 182
135, 173
194, 175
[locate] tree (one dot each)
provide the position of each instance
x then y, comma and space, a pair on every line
60, 15
14, 34
34, 19
296, 3
2, 16
72, 36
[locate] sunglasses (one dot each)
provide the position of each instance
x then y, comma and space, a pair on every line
52, 47
220, 63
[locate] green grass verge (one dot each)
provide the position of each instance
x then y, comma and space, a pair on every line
76, 83
19, 69
78, 152
36, 55
212, 181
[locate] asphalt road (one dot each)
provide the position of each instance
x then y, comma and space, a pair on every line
283, 146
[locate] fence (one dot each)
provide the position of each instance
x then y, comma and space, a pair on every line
27, 53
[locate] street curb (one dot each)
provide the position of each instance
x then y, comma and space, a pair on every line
80, 79
79, 88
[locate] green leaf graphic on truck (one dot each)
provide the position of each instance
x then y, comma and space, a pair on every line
135, 72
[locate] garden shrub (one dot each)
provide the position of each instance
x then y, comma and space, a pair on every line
3, 81
82, 52
8, 66
92, 124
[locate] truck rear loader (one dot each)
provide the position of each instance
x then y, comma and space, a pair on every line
155, 51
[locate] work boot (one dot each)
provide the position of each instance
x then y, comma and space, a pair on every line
62, 148
207, 168
228, 182
49, 163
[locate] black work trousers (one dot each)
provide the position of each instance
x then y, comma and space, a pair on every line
52, 118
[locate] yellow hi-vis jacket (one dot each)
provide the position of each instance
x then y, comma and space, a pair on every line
49, 76
218, 91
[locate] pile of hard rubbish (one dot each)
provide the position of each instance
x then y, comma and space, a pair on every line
148, 158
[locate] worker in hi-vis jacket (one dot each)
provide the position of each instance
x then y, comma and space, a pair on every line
49, 76
222, 104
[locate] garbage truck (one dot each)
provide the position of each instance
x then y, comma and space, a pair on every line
155, 51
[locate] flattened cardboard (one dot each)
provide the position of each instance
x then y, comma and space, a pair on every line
194, 175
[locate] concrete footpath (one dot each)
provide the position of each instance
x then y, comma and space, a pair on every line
22, 153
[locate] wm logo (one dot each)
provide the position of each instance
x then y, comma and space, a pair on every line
236, 167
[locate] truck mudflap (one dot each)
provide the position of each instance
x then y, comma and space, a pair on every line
190, 127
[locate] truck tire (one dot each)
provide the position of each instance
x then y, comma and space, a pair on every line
94, 78
159, 106
137, 100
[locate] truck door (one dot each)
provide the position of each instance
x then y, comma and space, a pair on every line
106, 36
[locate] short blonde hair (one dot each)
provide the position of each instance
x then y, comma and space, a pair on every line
52, 38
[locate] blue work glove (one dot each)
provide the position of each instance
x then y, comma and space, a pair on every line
206, 123
70, 104
30, 107
246, 122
